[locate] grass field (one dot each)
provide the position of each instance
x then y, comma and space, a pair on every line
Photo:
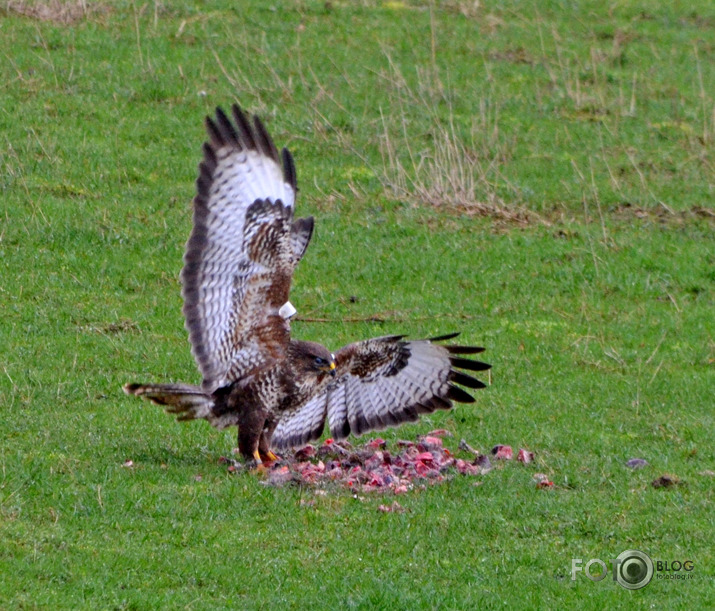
538, 175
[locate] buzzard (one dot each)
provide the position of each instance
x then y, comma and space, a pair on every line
238, 266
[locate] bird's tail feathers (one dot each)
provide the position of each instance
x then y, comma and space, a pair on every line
186, 401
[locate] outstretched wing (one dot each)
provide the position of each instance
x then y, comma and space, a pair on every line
382, 382
242, 251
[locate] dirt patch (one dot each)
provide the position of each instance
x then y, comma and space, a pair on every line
65, 13
518, 55
663, 214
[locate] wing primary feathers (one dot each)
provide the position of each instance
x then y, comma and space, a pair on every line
244, 128
289, 174
360, 424
468, 364
460, 396
433, 403
390, 338
424, 408
410, 413
438, 403
214, 133
226, 129
203, 182
264, 141
465, 380
343, 432
440, 338
464, 349
209, 163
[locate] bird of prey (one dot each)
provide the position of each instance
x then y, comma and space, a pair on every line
238, 266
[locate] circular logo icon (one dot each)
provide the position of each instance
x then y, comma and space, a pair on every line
634, 569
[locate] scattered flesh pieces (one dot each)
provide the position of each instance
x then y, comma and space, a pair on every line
525, 456
503, 452
543, 481
372, 467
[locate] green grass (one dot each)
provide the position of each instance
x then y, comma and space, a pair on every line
588, 131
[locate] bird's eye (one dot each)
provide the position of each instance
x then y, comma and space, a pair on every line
320, 361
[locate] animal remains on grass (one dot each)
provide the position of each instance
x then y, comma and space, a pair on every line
237, 273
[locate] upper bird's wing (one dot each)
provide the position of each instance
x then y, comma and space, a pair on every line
382, 382
242, 251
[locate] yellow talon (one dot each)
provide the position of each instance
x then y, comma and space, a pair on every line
268, 456
257, 457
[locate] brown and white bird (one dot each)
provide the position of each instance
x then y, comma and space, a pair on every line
237, 273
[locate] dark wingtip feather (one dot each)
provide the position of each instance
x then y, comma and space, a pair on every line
410, 414
263, 139
434, 403
244, 128
209, 156
440, 338
289, 174
456, 349
225, 127
465, 380
461, 363
464, 349
213, 132
460, 396
342, 432
391, 338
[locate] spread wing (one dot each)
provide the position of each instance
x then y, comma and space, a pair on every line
382, 382
242, 251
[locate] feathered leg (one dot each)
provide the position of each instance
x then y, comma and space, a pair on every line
250, 425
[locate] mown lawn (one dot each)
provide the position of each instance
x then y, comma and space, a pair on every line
538, 176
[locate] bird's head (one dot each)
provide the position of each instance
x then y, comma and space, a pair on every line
314, 358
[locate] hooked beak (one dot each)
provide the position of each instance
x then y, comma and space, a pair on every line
332, 371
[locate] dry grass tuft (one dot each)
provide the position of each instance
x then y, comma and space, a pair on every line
449, 174
436, 164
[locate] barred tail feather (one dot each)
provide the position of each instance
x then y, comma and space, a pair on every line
187, 401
